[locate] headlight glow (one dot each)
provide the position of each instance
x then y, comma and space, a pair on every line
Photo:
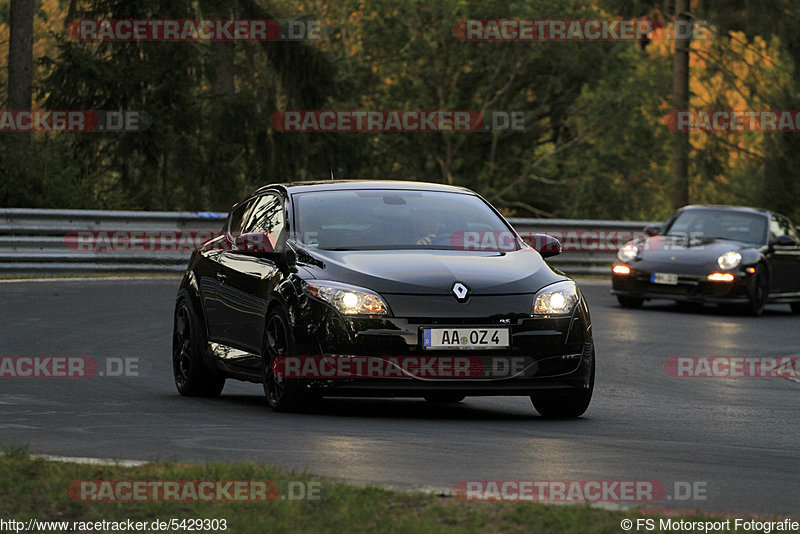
350, 300
628, 252
347, 299
556, 299
729, 260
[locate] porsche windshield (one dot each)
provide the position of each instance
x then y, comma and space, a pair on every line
384, 219
720, 224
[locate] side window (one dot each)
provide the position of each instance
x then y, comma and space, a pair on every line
774, 228
780, 225
267, 216
793, 231
237, 218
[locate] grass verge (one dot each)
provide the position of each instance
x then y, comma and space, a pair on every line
32, 487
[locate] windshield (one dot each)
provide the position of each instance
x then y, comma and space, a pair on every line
732, 225
386, 219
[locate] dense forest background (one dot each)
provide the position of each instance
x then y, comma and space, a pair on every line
599, 147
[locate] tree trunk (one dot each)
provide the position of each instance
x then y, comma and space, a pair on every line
680, 102
20, 55
20, 86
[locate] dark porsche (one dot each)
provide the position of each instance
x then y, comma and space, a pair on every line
726, 255
428, 282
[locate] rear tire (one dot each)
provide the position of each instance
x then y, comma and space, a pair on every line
630, 302
795, 307
283, 394
192, 376
564, 404
444, 397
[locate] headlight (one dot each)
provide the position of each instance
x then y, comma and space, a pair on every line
627, 252
349, 300
729, 260
556, 299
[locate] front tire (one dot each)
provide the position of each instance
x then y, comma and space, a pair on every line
757, 292
192, 376
283, 394
564, 404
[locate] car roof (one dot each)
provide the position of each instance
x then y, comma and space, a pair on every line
334, 185
726, 207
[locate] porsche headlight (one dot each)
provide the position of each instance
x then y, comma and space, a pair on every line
729, 260
349, 300
556, 299
627, 252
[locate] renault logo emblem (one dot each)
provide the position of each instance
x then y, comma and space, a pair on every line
460, 291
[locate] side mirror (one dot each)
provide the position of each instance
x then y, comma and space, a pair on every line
785, 241
546, 245
253, 243
654, 229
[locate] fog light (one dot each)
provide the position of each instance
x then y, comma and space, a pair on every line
621, 269
720, 277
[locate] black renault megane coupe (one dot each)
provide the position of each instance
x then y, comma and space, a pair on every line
727, 255
379, 288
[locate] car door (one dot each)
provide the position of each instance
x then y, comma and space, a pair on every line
213, 274
785, 257
247, 279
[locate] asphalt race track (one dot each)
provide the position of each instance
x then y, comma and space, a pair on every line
737, 438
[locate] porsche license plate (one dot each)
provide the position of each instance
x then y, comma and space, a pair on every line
465, 338
664, 278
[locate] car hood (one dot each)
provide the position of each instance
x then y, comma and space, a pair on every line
433, 272
690, 251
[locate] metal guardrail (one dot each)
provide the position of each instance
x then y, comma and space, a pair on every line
51, 241
46, 241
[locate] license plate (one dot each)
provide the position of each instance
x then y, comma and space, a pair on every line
664, 278
465, 338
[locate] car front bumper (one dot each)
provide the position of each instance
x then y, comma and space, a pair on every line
690, 288
543, 353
